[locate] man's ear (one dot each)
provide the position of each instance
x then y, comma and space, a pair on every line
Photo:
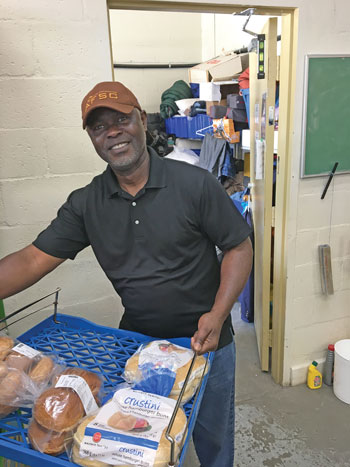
144, 119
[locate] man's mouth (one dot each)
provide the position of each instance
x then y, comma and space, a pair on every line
118, 146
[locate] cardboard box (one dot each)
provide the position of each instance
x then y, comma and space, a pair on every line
221, 68
225, 128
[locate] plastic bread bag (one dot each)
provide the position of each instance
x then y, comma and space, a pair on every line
153, 358
75, 392
41, 367
129, 430
6, 344
20, 389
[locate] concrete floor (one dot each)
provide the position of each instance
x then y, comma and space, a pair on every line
282, 427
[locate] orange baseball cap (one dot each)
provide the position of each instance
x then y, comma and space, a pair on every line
111, 94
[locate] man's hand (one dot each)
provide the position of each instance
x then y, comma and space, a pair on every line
206, 338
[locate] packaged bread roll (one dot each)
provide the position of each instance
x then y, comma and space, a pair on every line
12, 385
123, 430
43, 370
59, 409
47, 441
22, 357
6, 344
159, 355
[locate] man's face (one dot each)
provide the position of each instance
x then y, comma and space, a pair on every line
119, 139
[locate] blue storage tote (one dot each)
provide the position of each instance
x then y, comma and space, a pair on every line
187, 127
177, 126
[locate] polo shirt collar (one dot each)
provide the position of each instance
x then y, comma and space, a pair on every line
156, 179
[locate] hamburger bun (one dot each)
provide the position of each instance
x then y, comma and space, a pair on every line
10, 386
46, 441
42, 370
58, 409
93, 380
17, 360
3, 369
6, 344
6, 410
163, 452
134, 374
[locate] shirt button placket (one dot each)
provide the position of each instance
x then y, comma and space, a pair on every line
133, 216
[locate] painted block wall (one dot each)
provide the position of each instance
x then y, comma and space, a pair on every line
165, 38
169, 37
49, 61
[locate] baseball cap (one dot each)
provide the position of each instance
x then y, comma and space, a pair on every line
111, 94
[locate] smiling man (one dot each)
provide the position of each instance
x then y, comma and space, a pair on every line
153, 225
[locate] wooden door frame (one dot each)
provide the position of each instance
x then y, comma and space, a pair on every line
285, 130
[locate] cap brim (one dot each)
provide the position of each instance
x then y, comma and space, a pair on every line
124, 108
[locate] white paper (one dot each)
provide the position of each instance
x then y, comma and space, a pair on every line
81, 387
259, 159
26, 350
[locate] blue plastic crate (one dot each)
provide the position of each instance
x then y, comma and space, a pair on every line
88, 345
187, 127
177, 126
196, 123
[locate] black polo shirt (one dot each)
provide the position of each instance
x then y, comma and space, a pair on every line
158, 247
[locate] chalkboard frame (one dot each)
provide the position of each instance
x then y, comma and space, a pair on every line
304, 117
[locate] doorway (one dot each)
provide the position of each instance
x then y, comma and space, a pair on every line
270, 334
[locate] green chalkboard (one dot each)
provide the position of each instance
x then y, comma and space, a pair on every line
326, 123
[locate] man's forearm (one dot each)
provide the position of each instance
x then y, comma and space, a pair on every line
24, 268
235, 269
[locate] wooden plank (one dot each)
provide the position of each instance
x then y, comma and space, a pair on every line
262, 96
285, 127
195, 7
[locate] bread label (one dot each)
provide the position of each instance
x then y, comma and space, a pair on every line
80, 386
166, 354
26, 350
127, 430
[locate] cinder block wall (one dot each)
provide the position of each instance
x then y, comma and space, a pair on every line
52, 53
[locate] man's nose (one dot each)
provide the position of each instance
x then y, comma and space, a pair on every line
113, 130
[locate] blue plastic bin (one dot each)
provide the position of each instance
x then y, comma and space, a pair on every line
88, 345
177, 126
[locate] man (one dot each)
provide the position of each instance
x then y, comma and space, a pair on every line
153, 225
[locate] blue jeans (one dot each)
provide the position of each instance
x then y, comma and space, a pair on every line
214, 432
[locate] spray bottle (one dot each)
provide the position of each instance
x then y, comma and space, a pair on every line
314, 377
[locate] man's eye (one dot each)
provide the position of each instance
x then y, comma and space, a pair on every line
122, 119
98, 127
